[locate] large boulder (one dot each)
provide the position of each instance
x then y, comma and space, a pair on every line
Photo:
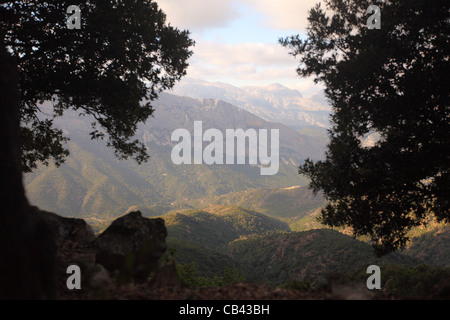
68, 229
74, 240
132, 246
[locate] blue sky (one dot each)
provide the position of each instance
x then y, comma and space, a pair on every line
247, 27
237, 40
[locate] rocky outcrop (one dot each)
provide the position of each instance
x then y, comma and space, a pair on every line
127, 252
68, 229
132, 245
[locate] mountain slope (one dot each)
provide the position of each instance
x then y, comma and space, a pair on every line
208, 263
432, 246
93, 183
216, 226
275, 102
307, 255
288, 202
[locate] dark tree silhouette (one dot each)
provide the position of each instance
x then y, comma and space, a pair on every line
112, 67
123, 55
27, 246
392, 82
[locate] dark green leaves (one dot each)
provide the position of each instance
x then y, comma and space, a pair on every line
391, 82
123, 55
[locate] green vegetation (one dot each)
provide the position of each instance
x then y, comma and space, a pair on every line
189, 278
228, 223
124, 64
307, 222
302, 260
90, 184
208, 263
431, 246
216, 226
420, 281
225, 244
280, 257
289, 202
391, 82
307, 256
94, 184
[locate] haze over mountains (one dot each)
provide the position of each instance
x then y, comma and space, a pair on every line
219, 216
93, 183
275, 102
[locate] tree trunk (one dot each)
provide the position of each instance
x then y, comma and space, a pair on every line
27, 247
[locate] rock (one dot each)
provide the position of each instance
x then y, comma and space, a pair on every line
73, 240
165, 276
69, 229
100, 277
132, 244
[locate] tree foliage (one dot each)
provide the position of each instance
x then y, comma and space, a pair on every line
392, 82
111, 68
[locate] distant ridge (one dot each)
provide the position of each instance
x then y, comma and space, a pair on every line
275, 102
93, 183
217, 226
279, 203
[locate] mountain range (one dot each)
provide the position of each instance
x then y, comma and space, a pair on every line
93, 183
220, 216
265, 249
275, 102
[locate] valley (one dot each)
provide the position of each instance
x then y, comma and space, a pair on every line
221, 219
94, 183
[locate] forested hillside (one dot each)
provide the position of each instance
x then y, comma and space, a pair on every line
285, 203
94, 183
217, 226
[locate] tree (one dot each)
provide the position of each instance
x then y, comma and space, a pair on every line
27, 266
392, 83
111, 68
123, 55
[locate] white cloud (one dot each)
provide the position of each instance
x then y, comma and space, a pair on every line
246, 53
285, 14
245, 62
254, 62
199, 14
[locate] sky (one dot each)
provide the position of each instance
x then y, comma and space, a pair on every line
237, 40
